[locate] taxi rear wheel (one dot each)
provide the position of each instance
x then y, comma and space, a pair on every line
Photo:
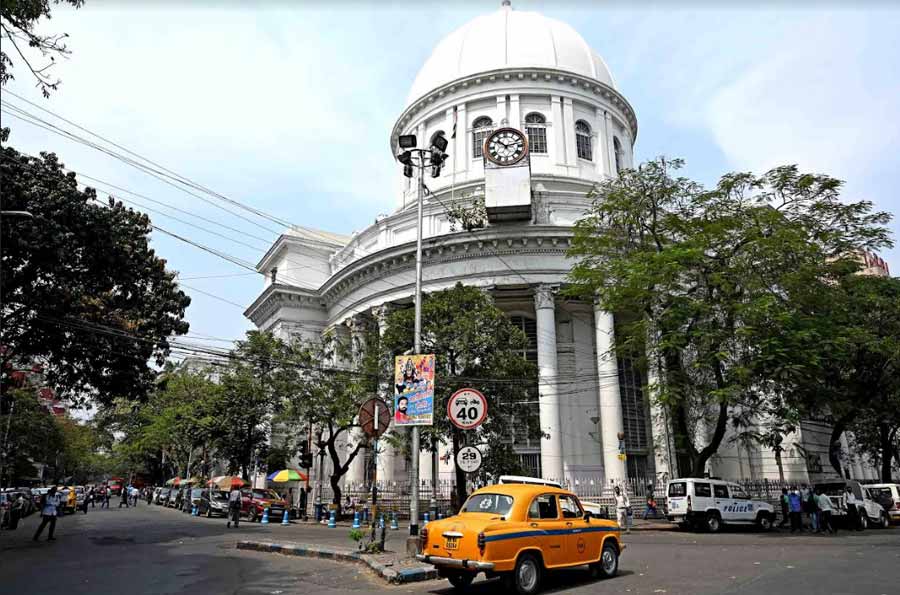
608, 565
461, 580
526, 578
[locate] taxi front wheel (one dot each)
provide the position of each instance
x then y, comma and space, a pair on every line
608, 565
526, 578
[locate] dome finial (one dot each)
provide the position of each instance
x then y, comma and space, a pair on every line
506, 3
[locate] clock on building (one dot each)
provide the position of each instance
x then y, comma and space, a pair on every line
506, 146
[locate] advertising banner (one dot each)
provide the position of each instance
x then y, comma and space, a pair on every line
414, 390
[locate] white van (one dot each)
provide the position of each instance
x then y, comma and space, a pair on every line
711, 503
882, 492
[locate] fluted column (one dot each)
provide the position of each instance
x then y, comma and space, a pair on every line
387, 454
548, 397
609, 399
357, 470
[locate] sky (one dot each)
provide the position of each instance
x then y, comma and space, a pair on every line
288, 107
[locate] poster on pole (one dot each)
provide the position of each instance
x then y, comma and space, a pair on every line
414, 390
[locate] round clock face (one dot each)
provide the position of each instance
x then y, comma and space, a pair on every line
506, 146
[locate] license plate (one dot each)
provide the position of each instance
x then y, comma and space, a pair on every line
451, 543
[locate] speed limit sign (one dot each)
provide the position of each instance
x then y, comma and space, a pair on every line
467, 408
468, 459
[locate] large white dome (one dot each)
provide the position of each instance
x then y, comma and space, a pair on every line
508, 38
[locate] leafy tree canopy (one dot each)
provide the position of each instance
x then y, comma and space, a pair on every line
82, 291
712, 276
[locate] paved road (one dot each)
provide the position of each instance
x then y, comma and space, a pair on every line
156, 551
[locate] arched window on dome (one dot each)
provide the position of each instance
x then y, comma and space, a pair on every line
536, 128
481, 129
583, 142
617, 151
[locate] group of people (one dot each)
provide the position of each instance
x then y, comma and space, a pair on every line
818, 509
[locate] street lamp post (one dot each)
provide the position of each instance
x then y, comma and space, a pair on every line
413, 158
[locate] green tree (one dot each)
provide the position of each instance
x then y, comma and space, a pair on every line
17, 29
255, 384
711, 277
475, 346
82, 291
29, 435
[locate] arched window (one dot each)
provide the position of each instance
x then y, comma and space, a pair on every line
583, 140
536, 128
481, 128
617, 151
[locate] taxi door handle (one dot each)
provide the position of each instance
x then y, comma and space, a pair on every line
534, 524
569, 524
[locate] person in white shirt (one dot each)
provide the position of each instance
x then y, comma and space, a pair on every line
49, 505
852, 510
234, 507
825, 511
622, 506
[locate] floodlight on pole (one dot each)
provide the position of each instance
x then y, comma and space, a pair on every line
407, 141
440, 142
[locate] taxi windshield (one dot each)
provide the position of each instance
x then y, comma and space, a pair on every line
489, 503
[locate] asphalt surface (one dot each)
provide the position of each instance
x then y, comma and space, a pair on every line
149, 550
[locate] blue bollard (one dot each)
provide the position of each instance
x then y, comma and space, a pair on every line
356, 524
426, 520
394, 524
195, 510
265, 517
284, 518
332, 521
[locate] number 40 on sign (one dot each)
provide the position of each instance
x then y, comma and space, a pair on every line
467, 408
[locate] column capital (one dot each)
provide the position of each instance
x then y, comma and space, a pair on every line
380, 314
545, 296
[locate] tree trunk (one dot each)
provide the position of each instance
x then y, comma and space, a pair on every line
887, 450
338, 470
834, 444
710, 449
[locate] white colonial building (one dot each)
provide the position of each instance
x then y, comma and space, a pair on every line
537, 75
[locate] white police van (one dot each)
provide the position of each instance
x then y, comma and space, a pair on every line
700, 503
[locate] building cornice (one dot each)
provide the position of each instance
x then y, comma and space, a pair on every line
277, 295
549, 75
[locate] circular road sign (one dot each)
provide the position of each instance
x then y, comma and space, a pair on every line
468, 459
467, 408
374, 417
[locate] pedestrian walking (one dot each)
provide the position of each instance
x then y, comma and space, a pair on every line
303, 503
16, 511
622, 506
852, 511
651, 503
106, 496
92, 497
795, 504
49, 506
785, 509
124, 497
812, 508
826, 508
234, 507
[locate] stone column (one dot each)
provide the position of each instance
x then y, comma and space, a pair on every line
610, 148
515, 113
600, 151
548, 397
855, 464
610, 401
356, 473
569, 124
557, 130
461, 142
501, 112
387, 455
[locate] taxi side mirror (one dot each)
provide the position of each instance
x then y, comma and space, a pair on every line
587, 517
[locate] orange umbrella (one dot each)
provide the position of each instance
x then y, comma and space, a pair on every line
226, 482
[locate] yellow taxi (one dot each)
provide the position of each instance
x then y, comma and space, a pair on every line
518, 531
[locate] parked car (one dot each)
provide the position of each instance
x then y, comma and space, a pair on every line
888, 495
213, 503
174, 500
162, 496
870, 512
191, 498
712, 503
254, 501
518, 531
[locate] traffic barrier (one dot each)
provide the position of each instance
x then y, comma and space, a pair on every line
394, 524
356, 524
332, 521
265, 517
285, 520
